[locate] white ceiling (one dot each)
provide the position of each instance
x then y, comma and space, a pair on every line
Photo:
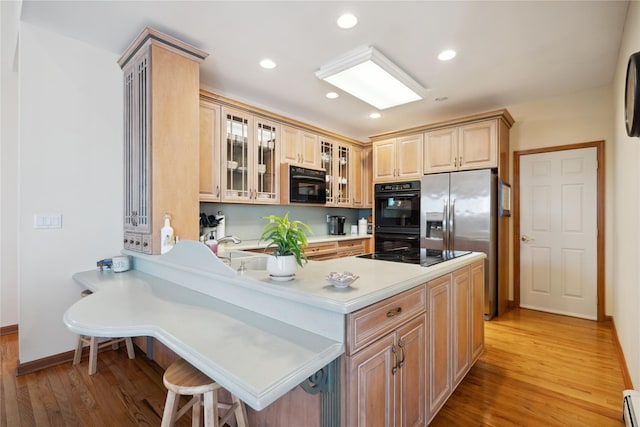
508, 51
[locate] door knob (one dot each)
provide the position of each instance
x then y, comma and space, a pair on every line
526, 239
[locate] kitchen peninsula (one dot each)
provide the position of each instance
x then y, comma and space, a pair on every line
420, 328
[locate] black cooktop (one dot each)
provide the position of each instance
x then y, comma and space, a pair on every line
424, 257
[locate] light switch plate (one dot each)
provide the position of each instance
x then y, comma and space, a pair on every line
47, 221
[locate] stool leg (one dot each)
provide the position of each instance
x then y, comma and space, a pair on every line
170, 409
240, 411
130, 351
78, 354
211, 409
196, 413
93, 355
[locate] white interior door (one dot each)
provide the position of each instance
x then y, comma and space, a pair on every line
558, 240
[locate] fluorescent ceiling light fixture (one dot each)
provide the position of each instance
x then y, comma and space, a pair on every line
446, 55
375, 115
371, 77
347, 21
267, 63
332, 95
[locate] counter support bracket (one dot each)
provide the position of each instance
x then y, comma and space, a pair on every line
326, 381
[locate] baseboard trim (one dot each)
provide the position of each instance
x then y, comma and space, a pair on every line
628, 384
45, 362
9, 329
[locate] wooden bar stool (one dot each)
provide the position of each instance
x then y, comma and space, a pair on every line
182, 379
96, 343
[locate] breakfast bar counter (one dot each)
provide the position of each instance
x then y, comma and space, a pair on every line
257, 337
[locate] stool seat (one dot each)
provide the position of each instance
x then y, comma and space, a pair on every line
96, 343
182, 379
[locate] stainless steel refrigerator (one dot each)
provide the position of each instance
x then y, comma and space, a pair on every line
459, 212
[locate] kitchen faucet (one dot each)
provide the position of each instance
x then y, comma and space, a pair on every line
227, 239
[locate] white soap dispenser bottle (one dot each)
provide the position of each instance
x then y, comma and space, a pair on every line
166, 236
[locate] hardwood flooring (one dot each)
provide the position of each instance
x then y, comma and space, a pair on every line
538, 369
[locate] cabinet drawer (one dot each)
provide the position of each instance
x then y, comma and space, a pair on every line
315, 249
370, 323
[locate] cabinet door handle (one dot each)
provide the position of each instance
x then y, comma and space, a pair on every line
392, 313
217, 191
401, 346
395, 358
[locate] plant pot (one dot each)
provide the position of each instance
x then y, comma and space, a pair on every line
282, 267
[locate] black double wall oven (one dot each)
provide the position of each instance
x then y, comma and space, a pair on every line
397, 216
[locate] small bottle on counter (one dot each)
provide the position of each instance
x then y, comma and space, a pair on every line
167, 239
212, 243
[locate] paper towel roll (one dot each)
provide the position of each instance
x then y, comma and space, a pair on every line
362, 226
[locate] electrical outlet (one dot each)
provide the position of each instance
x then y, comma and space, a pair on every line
47, 221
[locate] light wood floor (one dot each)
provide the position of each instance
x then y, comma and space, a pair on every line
537, 370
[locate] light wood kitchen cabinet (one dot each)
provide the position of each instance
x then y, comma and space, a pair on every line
439, 346
477, 311
249, 158
470, 146
456, 330
161, 142
398, 159
461, 313
319, 251
210, 185
300, 147
361, 177
336, 160
386, 365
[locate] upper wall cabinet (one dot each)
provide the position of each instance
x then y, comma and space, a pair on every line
471, 146
335, 158
397, 159
210, 185
161, 143
250, 161
361, 177
300, 147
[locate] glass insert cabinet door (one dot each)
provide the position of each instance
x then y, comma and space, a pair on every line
327, 162
266, 163
250, 158
343, 186
236, 159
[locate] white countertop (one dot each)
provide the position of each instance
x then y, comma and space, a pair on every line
255, 357
258, 338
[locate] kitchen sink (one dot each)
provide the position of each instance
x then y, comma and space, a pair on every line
256, 263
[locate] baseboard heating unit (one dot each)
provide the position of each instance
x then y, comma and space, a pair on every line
630, 404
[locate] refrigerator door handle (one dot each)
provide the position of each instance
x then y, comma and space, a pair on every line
452, 225
445, 224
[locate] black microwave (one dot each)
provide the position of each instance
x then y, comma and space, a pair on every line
307, 185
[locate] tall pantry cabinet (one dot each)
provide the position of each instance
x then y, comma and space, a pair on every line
161, 140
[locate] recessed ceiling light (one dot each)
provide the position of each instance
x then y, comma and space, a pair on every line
441, 99
332, 95
375, 115
267, 63
446, 55
347, 21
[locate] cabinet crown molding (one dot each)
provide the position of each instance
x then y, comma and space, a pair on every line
502, 114
154, 37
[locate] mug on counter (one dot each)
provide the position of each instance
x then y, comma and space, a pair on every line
121, 263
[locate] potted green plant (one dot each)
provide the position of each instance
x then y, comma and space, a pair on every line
289, 239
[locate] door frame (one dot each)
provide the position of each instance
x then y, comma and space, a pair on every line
600, 212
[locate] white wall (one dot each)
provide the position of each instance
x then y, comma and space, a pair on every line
626, 298
579, 117
70, 162
9, 14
